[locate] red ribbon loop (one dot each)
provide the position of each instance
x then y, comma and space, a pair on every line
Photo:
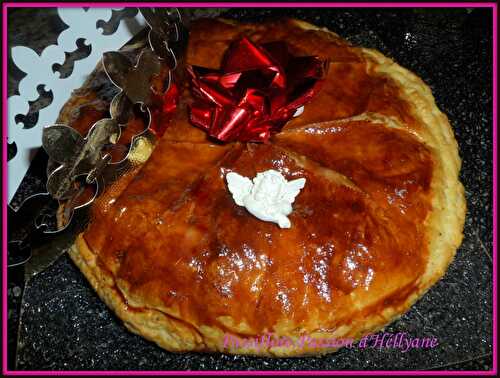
256, 91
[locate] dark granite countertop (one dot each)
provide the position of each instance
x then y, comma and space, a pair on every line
64, 326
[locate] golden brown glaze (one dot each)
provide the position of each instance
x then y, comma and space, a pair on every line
173, 238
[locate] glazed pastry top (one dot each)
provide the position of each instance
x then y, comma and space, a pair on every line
173, 238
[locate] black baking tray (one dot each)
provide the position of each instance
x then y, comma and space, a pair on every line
64, 325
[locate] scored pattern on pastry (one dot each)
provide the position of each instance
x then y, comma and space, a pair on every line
376, 225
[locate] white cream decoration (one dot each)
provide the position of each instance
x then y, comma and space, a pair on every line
269, 196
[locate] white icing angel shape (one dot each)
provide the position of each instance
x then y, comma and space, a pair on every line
268, 197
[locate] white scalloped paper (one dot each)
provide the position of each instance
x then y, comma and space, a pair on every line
38, 68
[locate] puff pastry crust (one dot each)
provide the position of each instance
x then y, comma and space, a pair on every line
378, 223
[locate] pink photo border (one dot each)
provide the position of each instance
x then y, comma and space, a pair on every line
5, 6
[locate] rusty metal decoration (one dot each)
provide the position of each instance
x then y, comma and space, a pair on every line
77, 163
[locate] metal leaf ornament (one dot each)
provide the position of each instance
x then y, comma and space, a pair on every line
83, 156
164, 26
132, 80
77, 155
80, 167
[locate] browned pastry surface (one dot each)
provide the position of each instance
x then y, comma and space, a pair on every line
376, 225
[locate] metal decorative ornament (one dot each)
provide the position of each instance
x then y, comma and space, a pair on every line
79, 164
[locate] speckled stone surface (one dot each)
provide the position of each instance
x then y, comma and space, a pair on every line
64, 326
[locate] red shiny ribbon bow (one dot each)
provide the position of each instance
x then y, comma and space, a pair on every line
256, 91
